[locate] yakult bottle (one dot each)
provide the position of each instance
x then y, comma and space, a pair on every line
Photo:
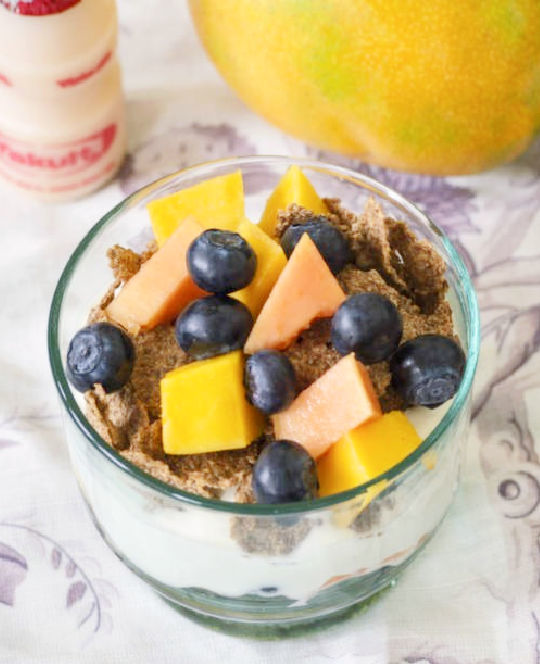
62, 123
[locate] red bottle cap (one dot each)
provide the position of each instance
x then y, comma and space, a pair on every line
38, 7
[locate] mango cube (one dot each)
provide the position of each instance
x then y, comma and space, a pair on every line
271, 260
214, 203
204, 408
294, 187
365, 452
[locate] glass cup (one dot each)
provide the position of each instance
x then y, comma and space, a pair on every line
248, 564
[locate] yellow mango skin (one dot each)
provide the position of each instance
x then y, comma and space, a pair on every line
204, 408
294, 187
214, 203
270, 262
440, 87
365, 453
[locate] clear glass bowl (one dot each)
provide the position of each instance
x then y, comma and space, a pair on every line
257, 564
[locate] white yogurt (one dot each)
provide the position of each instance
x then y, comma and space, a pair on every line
193, 547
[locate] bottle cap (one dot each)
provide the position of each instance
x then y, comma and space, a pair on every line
38, 7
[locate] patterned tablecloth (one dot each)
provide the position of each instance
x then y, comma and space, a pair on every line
473, 595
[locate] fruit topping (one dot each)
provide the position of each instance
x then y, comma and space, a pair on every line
221, 261
366, 452
305, 290
368, 325
204, 408
340, 400
427, 371
284, 473
100, 353
329, 240
161, 288
214, 203
213, 325
294, 187
270, 262
270, 381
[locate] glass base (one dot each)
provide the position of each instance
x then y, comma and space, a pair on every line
276, 631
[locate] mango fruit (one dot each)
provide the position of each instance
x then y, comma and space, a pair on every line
204, 408
365, 453
294, 187
342, 399
438, 86
161, 288
215, 203
270, 262
305, 290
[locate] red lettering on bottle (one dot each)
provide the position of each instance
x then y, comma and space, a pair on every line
66, 159
5, 80
80, 78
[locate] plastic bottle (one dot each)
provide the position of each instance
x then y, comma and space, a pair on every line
62, 119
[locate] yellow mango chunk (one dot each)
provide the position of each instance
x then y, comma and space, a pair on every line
204, 408
271, 260
214, 203
365, 453
294, 187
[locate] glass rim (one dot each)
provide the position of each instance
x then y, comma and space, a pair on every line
468, 304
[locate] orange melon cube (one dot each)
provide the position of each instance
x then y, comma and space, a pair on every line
342, 399
161, 288
305, 290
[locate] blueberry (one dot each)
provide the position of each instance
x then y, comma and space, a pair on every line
367, 324
284, 473
100, 353
221, 261
329, 240
270, 381
213, 325
427, 371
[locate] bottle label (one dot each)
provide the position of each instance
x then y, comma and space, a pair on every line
27, 163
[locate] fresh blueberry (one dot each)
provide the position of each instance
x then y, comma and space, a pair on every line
427, 371
329, 240
368, 325
284, 473
213, 325
100, 353
221, 261
270, 381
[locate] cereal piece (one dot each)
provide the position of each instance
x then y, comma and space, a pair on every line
124, 263
269, 537
419, 265
97, 314
312, 353
370, 244
157, 353
157, 469
114, 416
217, 471
356, 280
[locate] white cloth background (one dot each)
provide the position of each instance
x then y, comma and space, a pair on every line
472, 597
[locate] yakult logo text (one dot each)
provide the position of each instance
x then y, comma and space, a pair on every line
68, 158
